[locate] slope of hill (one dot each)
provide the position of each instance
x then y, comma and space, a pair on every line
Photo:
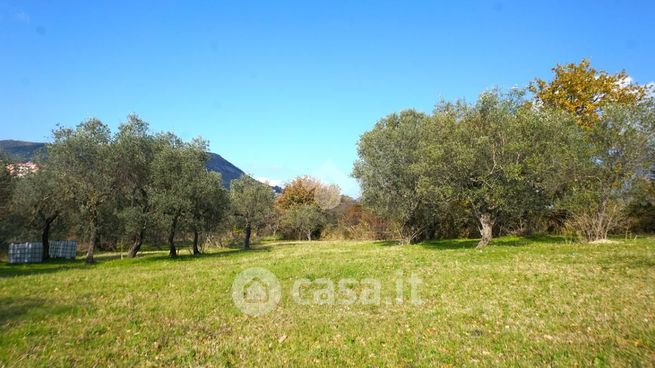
26, 151
228, 171
20, 150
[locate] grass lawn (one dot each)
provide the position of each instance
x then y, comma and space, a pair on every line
518, 302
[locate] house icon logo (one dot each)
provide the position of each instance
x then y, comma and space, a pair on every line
256, 291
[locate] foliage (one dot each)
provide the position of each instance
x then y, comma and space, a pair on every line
497, 161
352, 221
129, 186
640, 211
497, 158
305, 219
252, 202
176, 167
6, 185
585, 92
134, 152
571, 159
620, 152
6, 195
304, 206
41, 199
300, 191
387, 170
81, 159
209, 205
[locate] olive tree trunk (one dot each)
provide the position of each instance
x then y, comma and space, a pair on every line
92, 245
45, 236
195, 242
246, 240
136, 246
486, 229
172, 251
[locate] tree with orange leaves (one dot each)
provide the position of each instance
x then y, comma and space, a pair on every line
584, 91
297, 193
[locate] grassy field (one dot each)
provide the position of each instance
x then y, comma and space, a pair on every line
518, 302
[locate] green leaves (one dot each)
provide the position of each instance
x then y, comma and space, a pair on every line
388, 169
251, 200
497, 157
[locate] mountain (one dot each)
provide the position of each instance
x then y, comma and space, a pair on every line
27, 151
20, 150
220, 165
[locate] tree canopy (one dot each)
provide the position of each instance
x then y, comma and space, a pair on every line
251, 202
584, 91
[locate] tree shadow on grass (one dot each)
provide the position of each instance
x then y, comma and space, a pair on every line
56, 265
386, 243
547, 239
53, 265
449, 244
49, 266
16, 308
505, 241
186, 257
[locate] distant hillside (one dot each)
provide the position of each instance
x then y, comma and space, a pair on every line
26, 151
21, 151
228, 171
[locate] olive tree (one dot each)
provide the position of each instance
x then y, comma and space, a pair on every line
619, 152
305, 219
134, 151
387, 171
175, 168
251, 203
41, 199
498, 157
209, 204
80, 158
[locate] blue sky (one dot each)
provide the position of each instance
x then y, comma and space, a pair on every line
286, 88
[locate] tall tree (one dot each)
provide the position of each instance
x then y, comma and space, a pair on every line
619, 153
134, 151
81, 158
251, 202
387, 171
585, 92
42, 199
209, 204
500, 159
175, 167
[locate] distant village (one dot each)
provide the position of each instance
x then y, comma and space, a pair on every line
22, 169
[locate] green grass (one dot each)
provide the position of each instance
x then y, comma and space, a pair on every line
520, 302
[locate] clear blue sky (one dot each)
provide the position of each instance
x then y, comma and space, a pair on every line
286, 88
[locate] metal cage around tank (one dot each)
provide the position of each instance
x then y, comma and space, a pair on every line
33, 252
25, 252
63, 249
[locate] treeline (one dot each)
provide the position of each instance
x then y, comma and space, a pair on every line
122, 190
126, 187
574, 154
